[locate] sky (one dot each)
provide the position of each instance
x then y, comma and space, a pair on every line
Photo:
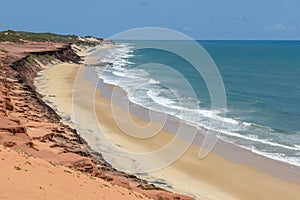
199, 19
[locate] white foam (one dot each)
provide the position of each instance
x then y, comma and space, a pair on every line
258, 140
297, 146
279, 156
213, 114
120, 74
118, 55
152, 81
159, 99
246, 124
214, 120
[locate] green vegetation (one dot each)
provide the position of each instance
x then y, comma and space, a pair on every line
152, 187
17, 168
21, 36
30, 61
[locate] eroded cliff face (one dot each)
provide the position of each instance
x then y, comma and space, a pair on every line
34, 62
28, 124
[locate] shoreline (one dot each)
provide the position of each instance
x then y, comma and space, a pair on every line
233, 153
54, 87
211, 187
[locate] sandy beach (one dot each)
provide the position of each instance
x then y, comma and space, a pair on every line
215, 177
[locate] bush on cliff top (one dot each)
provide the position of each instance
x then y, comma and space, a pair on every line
20, 37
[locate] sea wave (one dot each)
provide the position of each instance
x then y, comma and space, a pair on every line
145, 90
256, 139
164, 101
279, 156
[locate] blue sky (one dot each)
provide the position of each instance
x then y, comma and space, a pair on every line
199, 19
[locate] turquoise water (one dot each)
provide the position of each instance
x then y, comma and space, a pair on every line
262, 82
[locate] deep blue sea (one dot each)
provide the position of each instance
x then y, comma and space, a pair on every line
261, 79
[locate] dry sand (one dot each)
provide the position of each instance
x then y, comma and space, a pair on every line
26, 177
212, 178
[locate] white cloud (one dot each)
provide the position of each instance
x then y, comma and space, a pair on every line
280, 26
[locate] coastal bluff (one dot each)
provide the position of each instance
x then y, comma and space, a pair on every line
29, 125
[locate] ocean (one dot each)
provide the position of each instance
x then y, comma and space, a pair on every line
261, 79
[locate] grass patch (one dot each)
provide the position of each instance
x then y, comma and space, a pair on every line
151, 187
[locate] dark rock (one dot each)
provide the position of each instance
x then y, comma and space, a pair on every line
9, 144
9, 106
